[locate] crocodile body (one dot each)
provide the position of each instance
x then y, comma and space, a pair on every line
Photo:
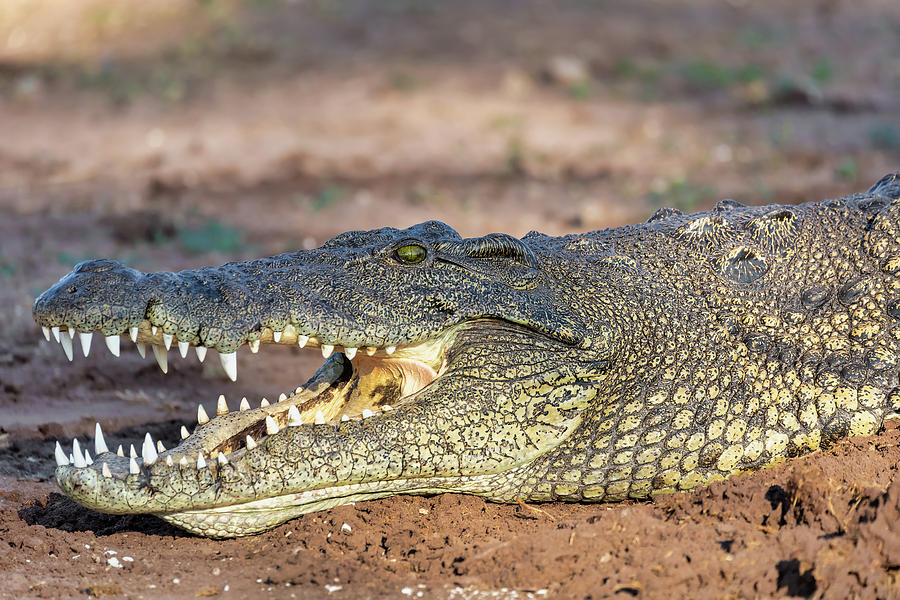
616, 364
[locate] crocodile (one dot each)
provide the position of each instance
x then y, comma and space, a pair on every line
611, 365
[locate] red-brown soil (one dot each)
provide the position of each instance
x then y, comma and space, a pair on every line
175, 138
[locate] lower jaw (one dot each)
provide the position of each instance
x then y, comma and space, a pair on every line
256, 516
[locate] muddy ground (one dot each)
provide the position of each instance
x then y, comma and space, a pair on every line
176, 134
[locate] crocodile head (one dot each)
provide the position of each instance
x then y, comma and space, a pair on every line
451, 365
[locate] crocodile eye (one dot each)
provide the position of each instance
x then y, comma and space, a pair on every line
410, 254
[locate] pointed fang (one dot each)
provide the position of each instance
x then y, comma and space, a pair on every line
294, 417
201, 352
251, 444
183, 348
86, 342
327, 349
61, 459
184, 433
390, 349
222, 460
133, 467
202, 417
201, 462
222, 406
133, 333
302, 340
276, 335
167, 340
229, 363
99, 442
55, 332
66, 343
46, 331
350, 352
120, 452
244, 404
263, 403
105, 471
162, 357
77, 455
271, 426
159, 446
142, 350
112, 342
254, 346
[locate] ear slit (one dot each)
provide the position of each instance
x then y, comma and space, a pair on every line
493, 245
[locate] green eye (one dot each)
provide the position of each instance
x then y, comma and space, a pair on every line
411, 254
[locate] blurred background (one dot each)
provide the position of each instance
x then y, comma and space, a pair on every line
175, 133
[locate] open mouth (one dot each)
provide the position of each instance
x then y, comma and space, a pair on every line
352, 384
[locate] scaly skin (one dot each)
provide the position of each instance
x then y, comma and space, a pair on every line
616, 364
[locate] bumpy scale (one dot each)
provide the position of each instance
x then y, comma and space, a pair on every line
615, 364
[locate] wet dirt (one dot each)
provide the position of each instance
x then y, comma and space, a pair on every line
283, 124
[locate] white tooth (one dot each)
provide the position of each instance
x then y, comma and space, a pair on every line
221, 405
55, 332
142, 350
294, 417
282, 397
71, 458
167, 340
162, 357
271, 426
386, 407
276, 335
263, 403
71, 333
345, 418
112, 342
77, 455
350, 352
87, 457
366, 413
99, 442
86, 342
133, 467
302, 340
183, 348
320, 417
154, 329
134, 332
370, 350
105, 470
244, 404
184, 433
327, 349
159, 446
390, 349
46, 331
254, 346
148, 451
66, 342
250, 443
169, 461
201, 353
298, 390
201, 462
119, 451
183, 462
202, 417
221, 458
61, 458
132, 452
229, 363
